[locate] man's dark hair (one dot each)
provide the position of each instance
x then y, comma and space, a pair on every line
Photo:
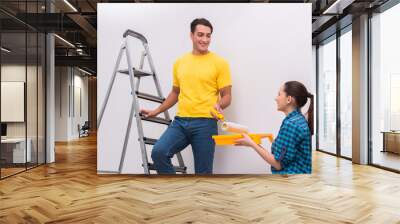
200, 21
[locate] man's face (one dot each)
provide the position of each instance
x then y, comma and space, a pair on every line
201, 38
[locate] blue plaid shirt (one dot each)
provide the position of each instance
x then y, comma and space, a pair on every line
292, 146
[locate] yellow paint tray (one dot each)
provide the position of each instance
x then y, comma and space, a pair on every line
230, 139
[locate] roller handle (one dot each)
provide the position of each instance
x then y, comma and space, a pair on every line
218, 114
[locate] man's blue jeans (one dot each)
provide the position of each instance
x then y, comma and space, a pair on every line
182, 132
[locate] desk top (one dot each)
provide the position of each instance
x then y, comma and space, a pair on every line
13, 140
391, 132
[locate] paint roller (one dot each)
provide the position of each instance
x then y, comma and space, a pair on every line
230, 126
233, 127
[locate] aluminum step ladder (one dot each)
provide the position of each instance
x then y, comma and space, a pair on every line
138, 73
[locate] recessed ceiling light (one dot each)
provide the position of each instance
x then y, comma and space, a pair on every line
70, 5
5, 50
337, 7
84, 71
64, 40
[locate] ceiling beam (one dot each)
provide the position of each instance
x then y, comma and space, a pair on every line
84, 24
84, 61
337, 6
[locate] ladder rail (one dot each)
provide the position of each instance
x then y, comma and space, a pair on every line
158, 87
137, 114
135, 35
135, 108
156, 81
126, 138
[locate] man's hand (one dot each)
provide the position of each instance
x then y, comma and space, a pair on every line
168, 103
218, 108
149, 113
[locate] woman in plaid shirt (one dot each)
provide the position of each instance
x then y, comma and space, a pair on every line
291, 150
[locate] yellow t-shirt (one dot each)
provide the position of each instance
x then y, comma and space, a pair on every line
199, 78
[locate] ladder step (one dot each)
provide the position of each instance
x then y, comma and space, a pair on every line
149, 97
149, 141
136, 72
177, 168
156, 120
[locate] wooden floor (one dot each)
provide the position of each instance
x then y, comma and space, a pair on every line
10, 171
70, 191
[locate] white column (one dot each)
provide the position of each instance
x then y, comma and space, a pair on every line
360, 90
50, 92
50, 100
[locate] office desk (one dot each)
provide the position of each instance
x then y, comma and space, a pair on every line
391, 141
13, 150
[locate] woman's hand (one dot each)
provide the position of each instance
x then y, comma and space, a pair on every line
245, 141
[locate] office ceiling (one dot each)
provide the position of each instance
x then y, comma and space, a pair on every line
76, 22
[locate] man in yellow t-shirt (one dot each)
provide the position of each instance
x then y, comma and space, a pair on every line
201, 82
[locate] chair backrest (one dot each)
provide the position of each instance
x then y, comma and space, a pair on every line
86, 125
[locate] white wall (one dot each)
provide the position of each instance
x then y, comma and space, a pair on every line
80, 84
68, 83
33, 126
264, 46
13, 100
17, 73
61, 103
